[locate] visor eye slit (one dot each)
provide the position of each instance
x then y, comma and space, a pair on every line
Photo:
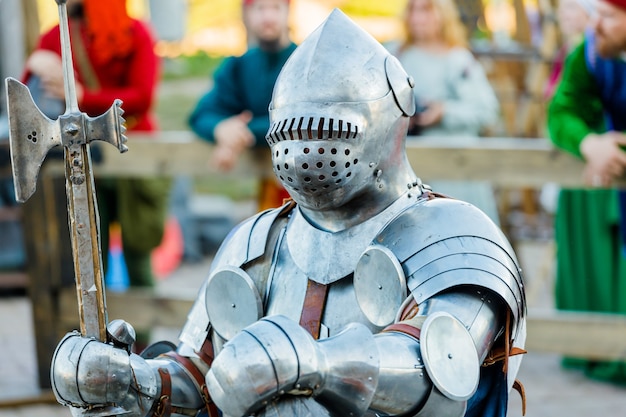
282, 130
309, 129
300, 128
293, 121
320, 128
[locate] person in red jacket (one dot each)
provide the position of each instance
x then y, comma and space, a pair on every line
114, 58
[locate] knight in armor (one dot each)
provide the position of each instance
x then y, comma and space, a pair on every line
367, 295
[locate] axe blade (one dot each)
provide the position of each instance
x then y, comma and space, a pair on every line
30, 142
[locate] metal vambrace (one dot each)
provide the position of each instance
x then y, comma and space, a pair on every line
275, 357
405, 386
87, 374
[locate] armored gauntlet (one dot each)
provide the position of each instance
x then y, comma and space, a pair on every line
88, 374
275, 357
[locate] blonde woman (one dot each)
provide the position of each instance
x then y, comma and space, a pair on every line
454, 98
451, 88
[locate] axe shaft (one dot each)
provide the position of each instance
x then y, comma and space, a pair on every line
83, 207
84, 228
32, 135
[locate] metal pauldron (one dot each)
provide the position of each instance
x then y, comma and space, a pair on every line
455, 244
246, 243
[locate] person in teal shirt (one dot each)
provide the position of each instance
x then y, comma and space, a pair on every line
234, 113
587, 118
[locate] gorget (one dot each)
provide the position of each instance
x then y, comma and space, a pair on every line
326, 257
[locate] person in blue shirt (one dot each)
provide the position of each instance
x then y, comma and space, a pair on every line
234, 113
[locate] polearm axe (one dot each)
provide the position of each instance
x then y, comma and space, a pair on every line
31, 136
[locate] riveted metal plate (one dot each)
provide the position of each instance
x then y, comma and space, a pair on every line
449, 356
379, 284
232, 301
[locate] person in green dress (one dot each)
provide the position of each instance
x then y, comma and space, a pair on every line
587, 118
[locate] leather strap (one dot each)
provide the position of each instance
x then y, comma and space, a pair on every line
502, 354
207, 353
210, 406
410, 310
314, 303
507, 342
432, 195
404, 328
497, 355
519, 387
164, 407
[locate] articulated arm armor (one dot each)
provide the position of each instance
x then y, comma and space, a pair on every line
463, 308
276, 356
87, 375
421, 366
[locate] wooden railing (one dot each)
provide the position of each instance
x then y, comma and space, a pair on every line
504, 161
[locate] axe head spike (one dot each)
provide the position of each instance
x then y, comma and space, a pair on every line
31, 142
109, 127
